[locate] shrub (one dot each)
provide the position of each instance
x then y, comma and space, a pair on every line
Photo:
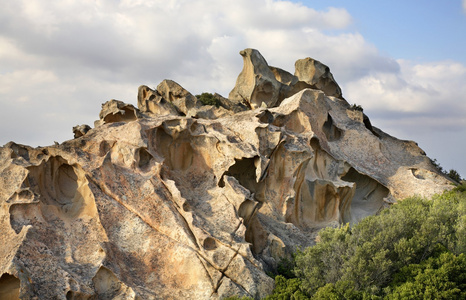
368, 255
454, 175
441, 277
414, 250
208, 99
357, 107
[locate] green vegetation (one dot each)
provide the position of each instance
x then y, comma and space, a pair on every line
208, 99
453, 174
357, 107
414, 250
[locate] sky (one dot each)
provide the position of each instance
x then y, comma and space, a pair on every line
403, 61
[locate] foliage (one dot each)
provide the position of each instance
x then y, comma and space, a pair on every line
414, 250
358, 263
285, 267
208, 99
441, 277
287, 289
461, 187
357, 107
453, 174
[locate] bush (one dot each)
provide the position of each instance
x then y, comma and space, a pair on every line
208, 99
414, 250
357, 107
367, 256
454, 175
441, 277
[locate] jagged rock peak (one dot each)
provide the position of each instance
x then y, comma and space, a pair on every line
178, 200
258, 84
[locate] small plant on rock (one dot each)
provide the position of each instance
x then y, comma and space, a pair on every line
208, 99
357, 107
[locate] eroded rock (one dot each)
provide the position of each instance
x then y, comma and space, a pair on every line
261, 85
80, 130
317, 76
114, 111
256, 84
181, 201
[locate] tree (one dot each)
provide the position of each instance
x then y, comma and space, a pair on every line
368, 255
441, 277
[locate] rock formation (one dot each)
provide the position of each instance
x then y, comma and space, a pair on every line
175, 200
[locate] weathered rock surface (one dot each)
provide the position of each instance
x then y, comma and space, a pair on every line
80, 130
261, 85
162, 203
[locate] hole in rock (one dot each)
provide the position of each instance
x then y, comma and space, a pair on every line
23, 215
246, 210
66, 183
244, 170
187, 207
104, 148
210, 244
9, 287
368, 196
106, 284
19, 151
196, 128
332, 132
265, 117
263, 93
143, 158
126, 115
423, 174
72, 295
60, 185
314, 143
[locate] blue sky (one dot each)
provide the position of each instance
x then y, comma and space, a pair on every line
403, 61
417, 30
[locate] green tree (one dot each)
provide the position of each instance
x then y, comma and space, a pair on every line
368, 255
287, 289
442, 277
453, 174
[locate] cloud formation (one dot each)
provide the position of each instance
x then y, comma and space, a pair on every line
62, 59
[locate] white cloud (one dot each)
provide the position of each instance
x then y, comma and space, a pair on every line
62, 59
464, 6
422, 102
430, 88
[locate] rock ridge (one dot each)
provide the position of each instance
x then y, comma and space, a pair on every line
179, 200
